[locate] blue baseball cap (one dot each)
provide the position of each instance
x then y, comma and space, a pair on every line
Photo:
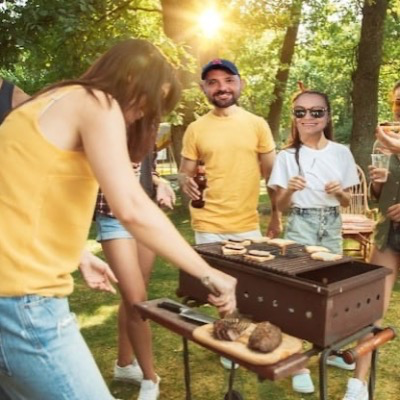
219, 63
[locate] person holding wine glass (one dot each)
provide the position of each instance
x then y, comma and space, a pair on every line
386, 247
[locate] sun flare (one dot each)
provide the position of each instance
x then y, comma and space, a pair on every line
210, 22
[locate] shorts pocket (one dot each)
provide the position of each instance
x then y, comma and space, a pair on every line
46, 318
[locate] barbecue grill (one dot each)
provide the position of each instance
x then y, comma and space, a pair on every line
318, 301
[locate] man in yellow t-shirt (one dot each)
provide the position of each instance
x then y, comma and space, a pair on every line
237, 148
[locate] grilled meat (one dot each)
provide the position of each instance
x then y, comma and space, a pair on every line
229, 328
265, 337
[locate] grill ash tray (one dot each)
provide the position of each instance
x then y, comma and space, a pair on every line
322, 302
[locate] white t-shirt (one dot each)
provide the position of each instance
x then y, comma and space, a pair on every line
332, 163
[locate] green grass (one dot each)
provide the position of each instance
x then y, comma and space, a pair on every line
97, 315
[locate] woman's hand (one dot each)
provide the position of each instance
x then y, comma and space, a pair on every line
223, 290
165, 194
393, 212
334, 188
296, 183
389, 141
377, 175
96, 273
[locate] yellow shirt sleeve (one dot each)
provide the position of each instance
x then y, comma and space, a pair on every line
189, 148
266, 141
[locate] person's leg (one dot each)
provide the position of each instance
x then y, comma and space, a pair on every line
125, 352
122, 255
43, 355
389, 259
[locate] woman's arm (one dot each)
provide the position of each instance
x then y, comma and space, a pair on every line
102, 130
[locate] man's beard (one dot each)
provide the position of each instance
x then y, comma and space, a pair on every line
224, 103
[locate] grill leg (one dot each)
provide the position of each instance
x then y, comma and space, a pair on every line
187, 368
323, 374
372, 376
231, 379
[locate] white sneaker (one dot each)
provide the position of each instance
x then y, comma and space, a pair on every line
338, 362
356, 390
132, 373
227, 364
149, 390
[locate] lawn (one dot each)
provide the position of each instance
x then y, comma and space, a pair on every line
97, 316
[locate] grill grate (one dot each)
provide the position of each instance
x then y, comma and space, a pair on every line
295, 261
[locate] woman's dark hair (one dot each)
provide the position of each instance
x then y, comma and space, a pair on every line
131, 71
294, 140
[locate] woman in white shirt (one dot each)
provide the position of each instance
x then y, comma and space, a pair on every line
312, 177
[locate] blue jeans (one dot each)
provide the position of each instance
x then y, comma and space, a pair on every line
316, 227
109, 228
42, 353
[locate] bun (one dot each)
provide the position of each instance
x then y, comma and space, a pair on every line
321, 256
316, 249
280, 242
260, 259
263, 239
261, 253
243, 242
233, 249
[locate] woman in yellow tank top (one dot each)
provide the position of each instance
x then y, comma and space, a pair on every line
55, 149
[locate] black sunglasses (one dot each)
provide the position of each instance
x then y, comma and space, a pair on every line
314, 112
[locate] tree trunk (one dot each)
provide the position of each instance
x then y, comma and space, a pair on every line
366, 79
288, 47
178, 21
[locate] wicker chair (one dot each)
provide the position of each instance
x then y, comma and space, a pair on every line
358, 220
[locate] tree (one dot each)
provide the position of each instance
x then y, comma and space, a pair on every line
178, 20
366, 80
288, 47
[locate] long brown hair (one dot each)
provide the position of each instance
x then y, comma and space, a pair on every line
295, 140
132, 70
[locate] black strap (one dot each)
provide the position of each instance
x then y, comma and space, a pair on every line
6, 93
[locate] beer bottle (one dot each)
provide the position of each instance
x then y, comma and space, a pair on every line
201, 180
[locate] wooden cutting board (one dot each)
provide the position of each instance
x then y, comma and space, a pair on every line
238, 348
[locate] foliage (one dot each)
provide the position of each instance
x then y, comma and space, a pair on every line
43, 41
59, 39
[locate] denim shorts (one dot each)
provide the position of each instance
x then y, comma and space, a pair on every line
316, 227
109, 228
42, 353
208, 237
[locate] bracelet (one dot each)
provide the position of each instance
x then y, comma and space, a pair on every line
155, 173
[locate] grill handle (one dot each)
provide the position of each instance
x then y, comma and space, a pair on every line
350, 356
